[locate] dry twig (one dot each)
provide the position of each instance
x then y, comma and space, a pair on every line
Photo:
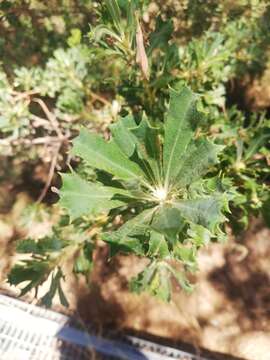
51, 173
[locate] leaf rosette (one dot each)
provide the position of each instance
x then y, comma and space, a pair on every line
159, 181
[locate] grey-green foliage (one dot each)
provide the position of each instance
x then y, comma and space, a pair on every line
159, 180
62, 86
14, 109
62, 78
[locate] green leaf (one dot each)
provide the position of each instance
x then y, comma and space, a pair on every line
142, 139
177, 211
182, 280
158, 246
46, 300
122, 136
140, 282
199, 235
26, 246
62, 297
105, 156
256, 143
41, 246
33, 271
168, 222
128, 237
197, 160
148, 146
204, 211
154, 279
266, 212
80, 197
180, 124
83, 262
188, 255
161, 36
54, 288
115, 13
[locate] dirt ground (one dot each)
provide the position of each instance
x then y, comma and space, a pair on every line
228, 312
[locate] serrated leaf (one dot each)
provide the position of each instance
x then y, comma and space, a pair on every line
199, 235
140, 282
168, 222
180, 124
105, 156
33, 271
41, 246
46, 300
154, 279
128, 236
197, 160
158, 246
188, 255
182, 280
54, 288
177, 211
80, 197
26, 246
204, 211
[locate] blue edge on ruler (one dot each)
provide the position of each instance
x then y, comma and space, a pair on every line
117, 349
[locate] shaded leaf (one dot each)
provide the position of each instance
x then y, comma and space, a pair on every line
158, 246
41, 246
128, 236
182, 280
35, 272
83, 263
148, 145
154, 279
160, 37
62, 297
168, 221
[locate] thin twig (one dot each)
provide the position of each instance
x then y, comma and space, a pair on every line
39, 121
50, 117
99, 98
45, 140
22, 95
51, 173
